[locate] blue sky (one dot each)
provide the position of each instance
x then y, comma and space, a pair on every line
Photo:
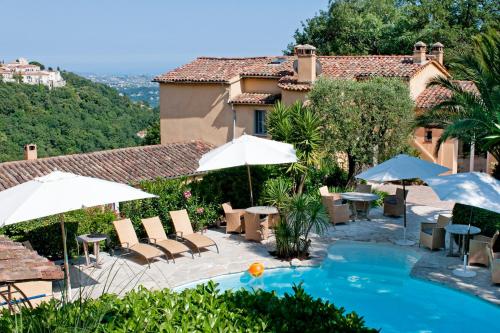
146, 36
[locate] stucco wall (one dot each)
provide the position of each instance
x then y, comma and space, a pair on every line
245, 118
195, 111
289, 97
448, 152
419, 82
258, 85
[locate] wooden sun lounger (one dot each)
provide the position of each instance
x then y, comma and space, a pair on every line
130, 242
158, 237
184, 230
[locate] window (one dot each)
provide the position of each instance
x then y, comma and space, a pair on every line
428, 135
260, 122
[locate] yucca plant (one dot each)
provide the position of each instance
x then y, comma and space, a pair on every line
471, 116
302, 215
299, 126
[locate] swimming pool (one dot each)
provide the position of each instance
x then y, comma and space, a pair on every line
374, 281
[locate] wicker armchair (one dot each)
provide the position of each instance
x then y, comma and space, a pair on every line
432, 235
255, 228
234, 218
394, 205
479, 246
486, 251
363, 206
494, 254
273, 220
338, 212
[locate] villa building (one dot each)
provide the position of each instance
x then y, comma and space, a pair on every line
215, 99
30, 74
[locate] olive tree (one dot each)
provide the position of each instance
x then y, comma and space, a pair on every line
367, 121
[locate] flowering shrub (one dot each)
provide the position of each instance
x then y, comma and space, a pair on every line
173, 194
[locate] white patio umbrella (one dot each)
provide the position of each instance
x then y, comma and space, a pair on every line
248, 150
60, 192
475, 189
402, 167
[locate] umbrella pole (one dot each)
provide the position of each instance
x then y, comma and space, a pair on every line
463, 272
404, 241
67, 281
404, 211
250, 184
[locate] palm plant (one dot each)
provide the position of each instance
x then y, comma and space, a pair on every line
303, 214
301, 127
471, 116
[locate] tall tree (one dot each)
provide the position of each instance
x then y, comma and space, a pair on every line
368, 121
472, 116
393, 26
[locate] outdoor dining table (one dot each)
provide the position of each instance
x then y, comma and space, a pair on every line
462, 230
353, 197
94, 239
262, 210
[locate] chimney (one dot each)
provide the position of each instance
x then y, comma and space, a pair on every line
419, 52
30, 152
437, 50
306, 65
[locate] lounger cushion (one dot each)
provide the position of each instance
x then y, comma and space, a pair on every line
391, 200
172, 246
199, 240
427, 231
147, 251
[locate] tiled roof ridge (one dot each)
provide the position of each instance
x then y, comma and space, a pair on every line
236, 58
255, 98
318, 56
368, 56
106, 152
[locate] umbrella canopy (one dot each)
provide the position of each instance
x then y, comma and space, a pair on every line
247, 150
476, 189
402, 167
60, 192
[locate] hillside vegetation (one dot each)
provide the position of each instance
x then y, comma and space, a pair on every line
81, 117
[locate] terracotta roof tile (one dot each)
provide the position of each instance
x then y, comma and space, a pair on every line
291, 83
211, 70
255, 98
222, 70
125, 165
17, 263
434, 95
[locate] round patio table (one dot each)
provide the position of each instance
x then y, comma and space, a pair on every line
94, 239
262, 210
354, 197
462, 230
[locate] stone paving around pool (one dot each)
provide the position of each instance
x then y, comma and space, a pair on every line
121, 273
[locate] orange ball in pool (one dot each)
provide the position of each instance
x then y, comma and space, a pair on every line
256, 269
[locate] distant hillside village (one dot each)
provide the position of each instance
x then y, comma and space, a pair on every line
22, 71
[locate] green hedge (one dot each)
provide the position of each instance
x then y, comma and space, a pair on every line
487, 221
203, 309
231, 185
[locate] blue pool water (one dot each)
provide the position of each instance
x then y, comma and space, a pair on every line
374, 281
